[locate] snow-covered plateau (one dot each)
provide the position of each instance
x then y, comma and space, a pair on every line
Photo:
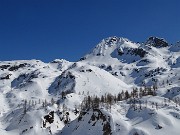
119, 88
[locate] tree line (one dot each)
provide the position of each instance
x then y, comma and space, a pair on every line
133, 98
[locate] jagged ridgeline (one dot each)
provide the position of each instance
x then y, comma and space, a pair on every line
119, 88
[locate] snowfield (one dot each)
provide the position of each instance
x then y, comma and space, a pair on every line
40, 98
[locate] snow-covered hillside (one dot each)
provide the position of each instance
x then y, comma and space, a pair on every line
49, 98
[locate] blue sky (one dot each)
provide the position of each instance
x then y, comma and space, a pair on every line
68, 29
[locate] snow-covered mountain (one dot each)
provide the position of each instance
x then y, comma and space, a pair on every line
47, 98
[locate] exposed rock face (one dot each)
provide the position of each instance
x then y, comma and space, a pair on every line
48, 119
16, 67
2, 67
5, 77
157, 42
133, 51
94, 119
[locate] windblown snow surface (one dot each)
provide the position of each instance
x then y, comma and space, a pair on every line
115, 64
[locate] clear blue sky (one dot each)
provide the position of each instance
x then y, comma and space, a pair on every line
49, 29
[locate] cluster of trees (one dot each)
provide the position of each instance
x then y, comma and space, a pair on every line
94, 102
64, 114
106, 101
33, 103
176, 100
166, 82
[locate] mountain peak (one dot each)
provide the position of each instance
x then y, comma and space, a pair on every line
157, 42
114, 40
